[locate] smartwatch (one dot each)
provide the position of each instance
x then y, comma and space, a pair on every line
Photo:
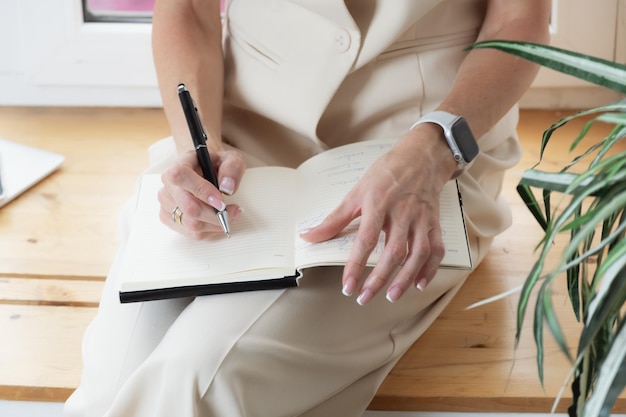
458, 135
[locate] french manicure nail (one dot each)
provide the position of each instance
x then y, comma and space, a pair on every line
422, 284
238, 213
364, 297
393, 294
348, 287
227, 186
216, 203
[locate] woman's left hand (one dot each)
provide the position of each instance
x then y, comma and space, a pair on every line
399, 195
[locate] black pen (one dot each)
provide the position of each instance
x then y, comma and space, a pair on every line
198, 136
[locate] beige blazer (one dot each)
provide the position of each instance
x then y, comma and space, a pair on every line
305, 75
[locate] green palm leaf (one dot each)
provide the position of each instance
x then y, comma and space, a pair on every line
611, 378
595, 250
610, 295
590, 221
594, 70
614, 107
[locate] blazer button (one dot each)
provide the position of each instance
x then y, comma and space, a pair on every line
342, 40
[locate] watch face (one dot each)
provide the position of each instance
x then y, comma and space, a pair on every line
464, 139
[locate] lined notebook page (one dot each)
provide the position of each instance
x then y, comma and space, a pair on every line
327, 177
260, 240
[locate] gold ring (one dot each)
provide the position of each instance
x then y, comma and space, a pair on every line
177, 215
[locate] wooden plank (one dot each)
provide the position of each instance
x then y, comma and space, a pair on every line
50, 291
67, 224
41, 350
66, 227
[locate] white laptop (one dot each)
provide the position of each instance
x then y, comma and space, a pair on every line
23, 166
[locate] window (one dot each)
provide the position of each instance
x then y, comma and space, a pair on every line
53, 56
118, 10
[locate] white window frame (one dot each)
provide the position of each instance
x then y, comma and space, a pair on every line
52, 57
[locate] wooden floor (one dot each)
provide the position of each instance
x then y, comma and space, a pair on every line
58, 240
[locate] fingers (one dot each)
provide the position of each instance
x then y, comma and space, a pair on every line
230, 171
196, 198
367, 238
412, 251
412, 259
193, 228
420, 267
332, 224
183, 179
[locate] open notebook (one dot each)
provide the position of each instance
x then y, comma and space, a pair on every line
23, 166
264, 250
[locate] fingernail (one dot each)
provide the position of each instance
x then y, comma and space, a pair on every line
422, 284
227, 186
393, 294
216, 203
365, 296
348, 287
238, 213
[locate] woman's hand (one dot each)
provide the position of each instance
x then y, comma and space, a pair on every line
399, 195
185, 188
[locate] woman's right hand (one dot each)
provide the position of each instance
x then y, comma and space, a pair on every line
197, 199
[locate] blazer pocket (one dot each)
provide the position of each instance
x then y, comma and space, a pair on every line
426, 44
253, 47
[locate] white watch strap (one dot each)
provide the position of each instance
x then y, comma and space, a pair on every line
442, 118
446, 120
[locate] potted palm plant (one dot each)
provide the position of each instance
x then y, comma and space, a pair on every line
592, 210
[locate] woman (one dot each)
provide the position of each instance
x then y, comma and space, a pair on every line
291, 78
